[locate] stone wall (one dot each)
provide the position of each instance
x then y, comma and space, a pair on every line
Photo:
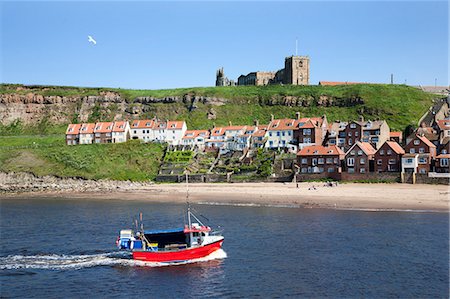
372, 176
425, 179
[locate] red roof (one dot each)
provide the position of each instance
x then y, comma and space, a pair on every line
395, 134
103, 127
425, 140
320, 150
175, 124
444, 124
333, 83
443, 156
191, 134
73, 129
282, 124
87, 128
366, 147
217, 131
119, 126
143, 124
395, 147
234, 128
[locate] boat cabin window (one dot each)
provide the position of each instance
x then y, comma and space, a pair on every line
195, 234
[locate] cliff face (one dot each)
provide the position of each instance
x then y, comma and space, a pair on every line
32, 107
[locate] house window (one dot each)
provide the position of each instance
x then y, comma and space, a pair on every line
381, 152
362, 161
362, 170
278, 133
444, 151
134, 131
360, 153
329, 160
350, 162
409, 161
304, 161
336, 160
306, 140
331, 169
444, 162
356, 134
314, 161
352, 126
270, 134
352, 153
421, 150
304, 170
350, 142
422, 171
392, 161
389, 152
412, 150
379, 161
321, 160
306, 131
283, 133
271, 143
416, 142
350, 134
422, 160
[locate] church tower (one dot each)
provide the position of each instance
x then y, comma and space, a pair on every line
296, 70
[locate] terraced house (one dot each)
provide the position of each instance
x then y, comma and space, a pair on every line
359, 158
195, 138
103, 132
388, 157
374, 132
87, 133
143, 130
72, 134
310, 131
280, 134
320, 159
423, 151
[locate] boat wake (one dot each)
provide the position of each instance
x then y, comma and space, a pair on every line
74, 262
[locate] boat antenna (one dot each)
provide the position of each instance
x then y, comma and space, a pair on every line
187, 200
142, 224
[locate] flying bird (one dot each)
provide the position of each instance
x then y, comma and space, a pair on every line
91, 40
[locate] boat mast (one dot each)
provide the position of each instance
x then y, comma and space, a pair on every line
187, 200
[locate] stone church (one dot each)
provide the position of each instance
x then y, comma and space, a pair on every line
295, 72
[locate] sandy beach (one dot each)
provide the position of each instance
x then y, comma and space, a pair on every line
402, 197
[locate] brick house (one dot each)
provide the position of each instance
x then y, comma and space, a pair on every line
320, 159
103, 132
310, 131
444, 130
336, 134
396, 137
441, 163
72, 134
359, 158
426, 152
388, 157
374, 132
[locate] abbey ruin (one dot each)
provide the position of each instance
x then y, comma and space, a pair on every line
295, 72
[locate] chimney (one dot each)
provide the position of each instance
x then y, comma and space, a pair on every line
229, 123
361, 118
297, 115
256, 122
271, 117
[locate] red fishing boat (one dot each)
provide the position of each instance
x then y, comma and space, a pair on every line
195, 240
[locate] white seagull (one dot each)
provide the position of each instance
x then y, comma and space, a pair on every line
91, 40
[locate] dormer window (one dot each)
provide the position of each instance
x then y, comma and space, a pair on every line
98, 128
416, 142
316, 152
83, 129
172, 126
70, 129
352, 126
147, 124
135, 124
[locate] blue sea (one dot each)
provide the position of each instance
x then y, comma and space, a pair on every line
63, 247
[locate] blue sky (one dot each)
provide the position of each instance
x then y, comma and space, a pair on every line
153, 45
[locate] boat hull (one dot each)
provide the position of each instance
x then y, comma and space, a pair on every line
179, 255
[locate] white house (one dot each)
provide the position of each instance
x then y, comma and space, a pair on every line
216, 138
120, 131
195, 138
175, 131
87, 133
143, 130
280, 133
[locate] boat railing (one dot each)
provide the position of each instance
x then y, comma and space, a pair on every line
216, 232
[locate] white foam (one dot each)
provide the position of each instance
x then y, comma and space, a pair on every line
73, 262
237, 204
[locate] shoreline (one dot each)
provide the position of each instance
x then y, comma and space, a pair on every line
348, 196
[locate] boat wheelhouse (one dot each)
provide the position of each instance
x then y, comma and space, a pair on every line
195, 240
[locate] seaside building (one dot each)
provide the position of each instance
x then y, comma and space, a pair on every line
103, 132
388, 157
374, 132
87, 133
359, 158
195, 138
320, 159
424, 151
396, 137
280, 134
121, 131
72, 134
143, 130
310, 131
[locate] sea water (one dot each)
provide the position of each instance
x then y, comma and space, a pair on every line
62, 247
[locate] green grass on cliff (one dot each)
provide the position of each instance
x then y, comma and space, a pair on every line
124, 161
